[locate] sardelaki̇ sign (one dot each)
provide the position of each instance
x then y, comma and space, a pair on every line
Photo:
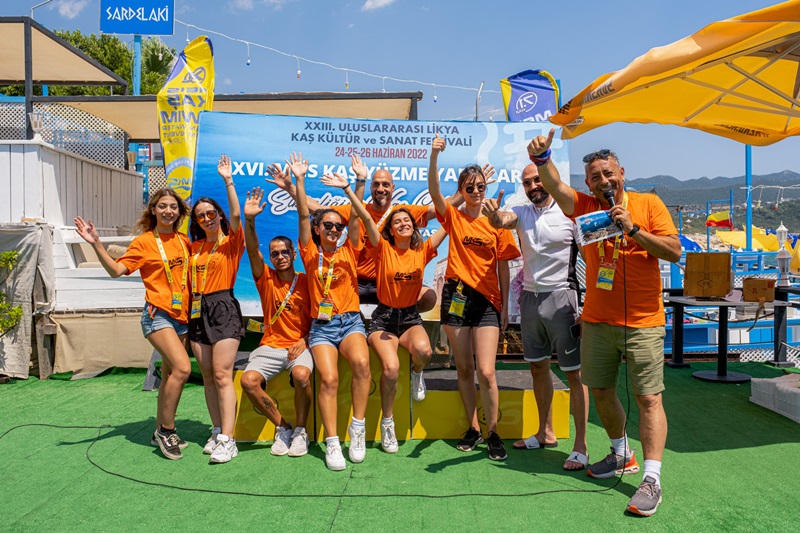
137, 17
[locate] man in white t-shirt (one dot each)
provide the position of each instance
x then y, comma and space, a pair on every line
549, 316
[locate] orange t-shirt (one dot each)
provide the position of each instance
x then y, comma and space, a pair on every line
221, 267
366, 263
344, 285
143, 255
475, 249
400, 272
294, 321
637, 272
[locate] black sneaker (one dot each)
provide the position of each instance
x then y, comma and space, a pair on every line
168, 442
182, 444
497, 451
646, 499
472, 437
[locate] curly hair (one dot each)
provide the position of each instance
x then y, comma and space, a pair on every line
316, 220
147, 221
196, 232
386, 232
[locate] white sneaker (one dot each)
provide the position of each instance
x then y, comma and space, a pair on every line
388, 438
418, 389
358, 443
333, 456
224, 451
212, 441
299, 445
280, 446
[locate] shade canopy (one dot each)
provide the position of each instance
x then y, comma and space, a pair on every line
737, 78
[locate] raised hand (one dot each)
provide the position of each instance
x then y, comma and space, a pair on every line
541, 144
359, 168
491, 206
298, 165
224, 168
488, 172
252, 205
335, 180
279, 177
438, 145
86, 230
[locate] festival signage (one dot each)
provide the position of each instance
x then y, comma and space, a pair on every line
529, 96
189, 89
137, 17
254, 142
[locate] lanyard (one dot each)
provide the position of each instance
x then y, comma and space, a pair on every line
386, 214
205, 270
166, 262
601, 246
330, 271
285, 301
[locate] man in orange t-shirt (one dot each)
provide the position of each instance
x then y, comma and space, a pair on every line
287, 320
623, 312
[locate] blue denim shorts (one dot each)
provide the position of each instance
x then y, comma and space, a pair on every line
334, 332
160, 320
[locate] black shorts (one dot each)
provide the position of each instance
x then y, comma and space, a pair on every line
394, 320
478, 311
368, 291
220, 318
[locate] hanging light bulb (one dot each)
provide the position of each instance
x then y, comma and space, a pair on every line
346, 80
298, 74
435, 98
248, 54
160, 56
298, 67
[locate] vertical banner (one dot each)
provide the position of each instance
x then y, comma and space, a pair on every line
189, 89
529, 96
254, 142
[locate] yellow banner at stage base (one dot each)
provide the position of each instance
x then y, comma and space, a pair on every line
189, 89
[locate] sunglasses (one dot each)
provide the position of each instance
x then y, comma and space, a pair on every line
277, 253
210, 215
330, 225
470, 188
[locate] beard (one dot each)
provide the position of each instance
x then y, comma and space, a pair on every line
538, 196
380, 201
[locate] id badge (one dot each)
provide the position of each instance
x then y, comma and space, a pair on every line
325, 310
605, 276
253, 325
177, 300
457, 304
197, 299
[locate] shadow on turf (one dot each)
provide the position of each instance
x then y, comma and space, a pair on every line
141, 432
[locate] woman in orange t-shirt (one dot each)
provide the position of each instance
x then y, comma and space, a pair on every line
161, 255
337, 326
400, 257
215, 326
474, 297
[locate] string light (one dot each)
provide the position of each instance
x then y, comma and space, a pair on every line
383, 85
298, 67
187, 35
435, 98
346, 80
328, 65
248, 54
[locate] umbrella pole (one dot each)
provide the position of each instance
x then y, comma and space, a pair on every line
748, 187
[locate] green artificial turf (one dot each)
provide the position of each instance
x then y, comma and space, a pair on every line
730, 465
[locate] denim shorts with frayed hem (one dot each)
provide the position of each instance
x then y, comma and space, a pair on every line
154, 319
335, 331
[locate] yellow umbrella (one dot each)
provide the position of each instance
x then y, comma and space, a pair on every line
737, 239
737, 78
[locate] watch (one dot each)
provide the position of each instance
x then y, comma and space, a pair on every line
634, 230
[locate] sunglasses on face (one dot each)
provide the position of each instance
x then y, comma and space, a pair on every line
277, 253
330, 225
210, 215
470, 188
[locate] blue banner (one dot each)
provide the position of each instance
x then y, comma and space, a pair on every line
253, 142
529, 96
137, 17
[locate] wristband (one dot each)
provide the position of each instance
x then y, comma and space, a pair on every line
231, 184
541, 159
634, 230
364, 180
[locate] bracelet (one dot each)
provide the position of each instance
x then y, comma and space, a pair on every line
231, 184
362, 180
346, 187
541, 159
634, 230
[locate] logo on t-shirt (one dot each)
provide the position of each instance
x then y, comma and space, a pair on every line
175, 262
479, 241
295, 307
407, 276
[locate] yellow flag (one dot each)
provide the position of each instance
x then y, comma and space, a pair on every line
794, 265
189, 89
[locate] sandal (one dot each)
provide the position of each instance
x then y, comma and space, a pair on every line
577, 457
532, 443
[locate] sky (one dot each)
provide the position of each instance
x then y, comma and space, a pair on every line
456, 43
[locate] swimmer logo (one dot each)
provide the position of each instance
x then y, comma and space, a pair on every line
525, 103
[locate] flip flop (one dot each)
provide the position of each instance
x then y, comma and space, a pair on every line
532, 443
577, 457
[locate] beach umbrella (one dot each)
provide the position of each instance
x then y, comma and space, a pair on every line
737, 78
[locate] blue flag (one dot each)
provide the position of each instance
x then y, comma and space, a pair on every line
530, 96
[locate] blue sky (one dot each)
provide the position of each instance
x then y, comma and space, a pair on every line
458, 43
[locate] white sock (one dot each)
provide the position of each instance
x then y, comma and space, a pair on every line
620, 447
216, 430
652, 468
332, 440
386, 421
416, 373
358, 423
298, 430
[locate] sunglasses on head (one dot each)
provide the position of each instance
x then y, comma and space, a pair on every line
330, 225
277, 253
210, 215
470, 188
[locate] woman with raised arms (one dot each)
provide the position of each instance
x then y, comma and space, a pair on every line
161, 255
337, 327
400, 255
215, 328
474, 297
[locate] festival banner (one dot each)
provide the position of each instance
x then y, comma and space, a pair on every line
189, 89
529, 96
253, 142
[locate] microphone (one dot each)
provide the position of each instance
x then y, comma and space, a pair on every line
608, 194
